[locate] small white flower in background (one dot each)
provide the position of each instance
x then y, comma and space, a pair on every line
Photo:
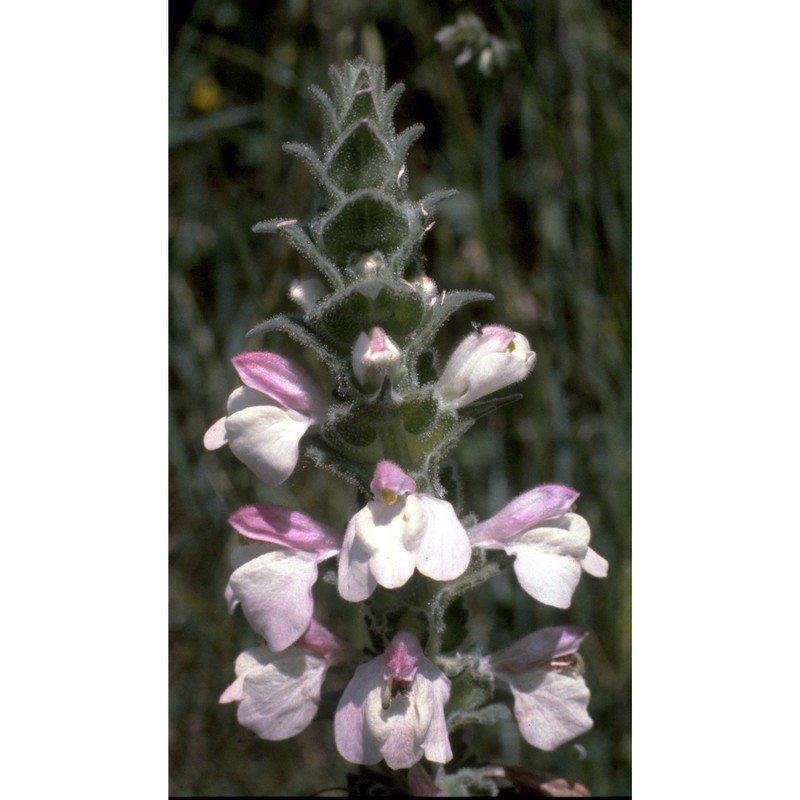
375, 357
279, 693
550, 546
268, 416
544, 675
273, 577
393, 709
469, 36
484, 362
397, 532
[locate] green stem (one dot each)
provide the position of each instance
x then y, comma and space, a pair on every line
474, 576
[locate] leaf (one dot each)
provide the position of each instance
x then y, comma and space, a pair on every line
367, 221
446, 304
301, 332
360, 160
397, 308
318, 169
298, 238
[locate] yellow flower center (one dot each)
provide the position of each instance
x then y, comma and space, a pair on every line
388, 496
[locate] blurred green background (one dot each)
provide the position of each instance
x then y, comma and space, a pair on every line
532, 126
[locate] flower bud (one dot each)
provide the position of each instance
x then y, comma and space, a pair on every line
367, 266
306, 292
426, 286
489, 359
374, 357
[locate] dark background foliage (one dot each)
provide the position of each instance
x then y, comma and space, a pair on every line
539, 151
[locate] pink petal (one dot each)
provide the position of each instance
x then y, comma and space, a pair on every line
421, 784
320, 641
389, 480
283, 381
402, 657
287, 527
525, 511
535, 649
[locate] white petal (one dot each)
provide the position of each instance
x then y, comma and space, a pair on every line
356, 582
594, 564
550, 707
549, 578
567, 535
354, 741
402, 727
280, 698
402, 747
230, 598
391, 533
244, 663
444, 552
243, 553
415, 725
266, 438
275, 593
492, 373
360, 350
233, 694
436, 743
548, 559
215, 436
245, 397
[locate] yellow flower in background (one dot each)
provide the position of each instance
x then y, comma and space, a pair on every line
206, 94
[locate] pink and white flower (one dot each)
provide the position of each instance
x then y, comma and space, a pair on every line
273, 576
268, 416
393, 709
550, 545
279, 693
485, 361
397, 532
375, 357
544, 675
